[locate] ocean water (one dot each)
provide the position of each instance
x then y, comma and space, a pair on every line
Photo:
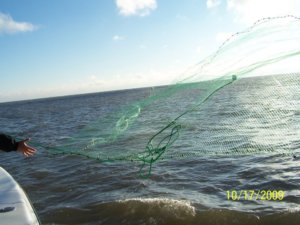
190, 185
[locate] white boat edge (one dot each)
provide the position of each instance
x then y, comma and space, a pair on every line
15, 206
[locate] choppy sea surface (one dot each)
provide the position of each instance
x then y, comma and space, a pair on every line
68, 189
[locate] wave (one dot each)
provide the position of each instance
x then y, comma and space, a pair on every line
164, 207
162, 211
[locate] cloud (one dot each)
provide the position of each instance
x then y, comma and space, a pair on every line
136, 7
120, 81
9, 26
248, 11
212, 3
118, 38
95, 83
199, 49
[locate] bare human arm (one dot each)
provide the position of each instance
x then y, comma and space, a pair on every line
8, 144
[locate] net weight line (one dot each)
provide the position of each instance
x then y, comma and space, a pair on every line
152, 154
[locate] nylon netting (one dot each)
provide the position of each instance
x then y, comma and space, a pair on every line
242, 99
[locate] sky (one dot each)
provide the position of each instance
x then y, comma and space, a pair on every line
63, 47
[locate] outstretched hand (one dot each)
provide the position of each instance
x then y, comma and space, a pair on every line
25, 149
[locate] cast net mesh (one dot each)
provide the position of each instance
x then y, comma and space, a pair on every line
243, 99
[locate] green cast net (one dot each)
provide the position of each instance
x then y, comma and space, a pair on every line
243, 99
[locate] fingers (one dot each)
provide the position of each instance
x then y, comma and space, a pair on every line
25, 140
31, 150
28, 152
25, 148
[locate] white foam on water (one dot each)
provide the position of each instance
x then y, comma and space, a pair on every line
178, 208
